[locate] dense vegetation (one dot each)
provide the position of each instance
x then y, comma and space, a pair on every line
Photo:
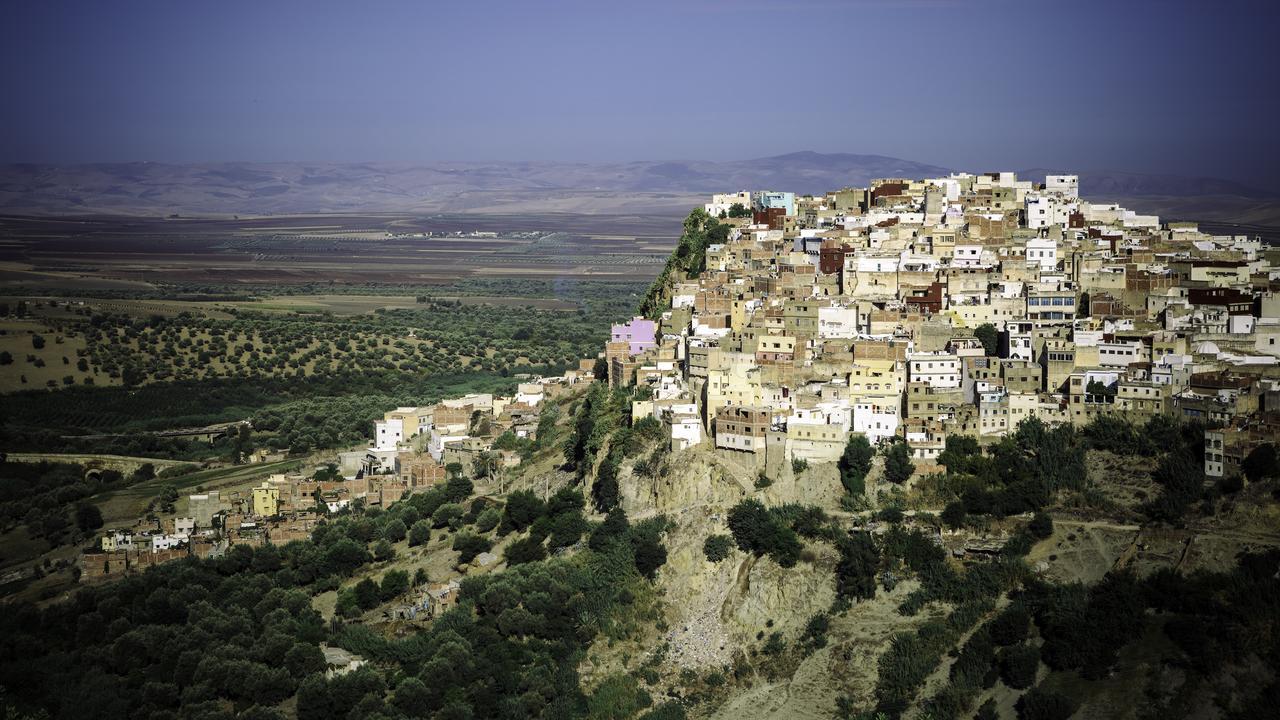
512, 645
687, 260
233, 637
1021, 472
297, 413
438, 337
49, 498
192, 639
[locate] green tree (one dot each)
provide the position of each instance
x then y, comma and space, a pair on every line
394, 584
989, 337
1018, 666
88, 517
954, 514
856, 571
382, 551
717, 547
525, 550
304, 659
420, 533
368, 594
1041, 526
1040, 704
446, 515
898, 467
394, 531
1261, 463
855, 463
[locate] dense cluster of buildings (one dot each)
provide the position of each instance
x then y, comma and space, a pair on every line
917, 309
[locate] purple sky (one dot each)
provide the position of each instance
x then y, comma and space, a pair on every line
1159, 86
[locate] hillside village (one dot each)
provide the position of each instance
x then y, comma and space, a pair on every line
915, 310
906, 312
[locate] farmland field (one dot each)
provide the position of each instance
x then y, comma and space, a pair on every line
114, 254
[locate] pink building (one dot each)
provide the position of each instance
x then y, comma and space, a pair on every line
639, 334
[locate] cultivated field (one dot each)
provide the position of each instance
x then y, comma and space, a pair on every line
87, 254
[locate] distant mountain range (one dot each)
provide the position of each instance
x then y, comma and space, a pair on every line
145, 188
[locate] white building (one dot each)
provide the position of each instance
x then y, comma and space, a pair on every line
721, 202
388, 434
877, 418
935, 369
1043, 252
1066, 185
837, 322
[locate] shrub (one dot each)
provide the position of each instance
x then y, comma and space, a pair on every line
525, 550
1041, 526
446, 515
757, 531
1018, 666
892, 515
469, 546
1011, 626
898, 467
394, 531
717, 547
856, 571
420, 533
488, 520
954, 514
1039, 704
855, 463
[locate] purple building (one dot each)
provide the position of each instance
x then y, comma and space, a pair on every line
639, 333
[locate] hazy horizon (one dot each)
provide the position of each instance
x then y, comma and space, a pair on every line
1133, 87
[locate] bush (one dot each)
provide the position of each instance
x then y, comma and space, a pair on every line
717, 547
487, 520
856, 571
614, 527
757, 531
469, 546
1039, 704
954, 514
647, 548
1011, 626
799, 465
898, 467
1041, 526
420, 533
525, 550
1018, 666
855, 463
522, 509
446, 515
892, 515
394, 531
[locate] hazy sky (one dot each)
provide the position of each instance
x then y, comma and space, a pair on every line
1160, 86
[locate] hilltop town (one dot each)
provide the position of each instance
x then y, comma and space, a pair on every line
916, 310
907, 312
